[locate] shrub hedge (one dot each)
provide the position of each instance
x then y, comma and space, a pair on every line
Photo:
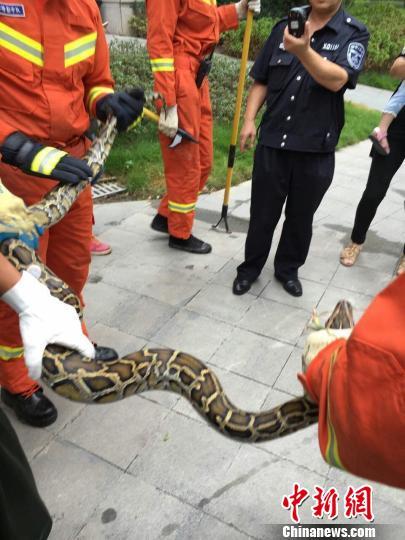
130, 67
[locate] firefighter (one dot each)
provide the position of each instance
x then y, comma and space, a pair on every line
54, 75
181, 34
359, 386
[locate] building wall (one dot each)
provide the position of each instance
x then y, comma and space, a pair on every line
118, 13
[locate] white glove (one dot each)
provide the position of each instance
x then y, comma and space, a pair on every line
44, 319
318, 340
169, 121
243, 6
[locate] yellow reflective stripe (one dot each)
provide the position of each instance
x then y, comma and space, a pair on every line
332, 449
80, 49
95, 92
46, 160
162, 64
8, 353
181, 208
21, 45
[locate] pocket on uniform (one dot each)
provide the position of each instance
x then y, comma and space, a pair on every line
79, 51
200, 14
15, 74
279, 67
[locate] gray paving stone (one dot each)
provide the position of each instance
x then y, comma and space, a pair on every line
186, 458
319, 269
72, 484
113, 214
193, 333
131, 316
363, 280
275, 320
312, 292
218, 302
140, 511
287, 380
119, 430
257, 357
267, 479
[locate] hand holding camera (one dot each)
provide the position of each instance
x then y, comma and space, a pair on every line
296, 34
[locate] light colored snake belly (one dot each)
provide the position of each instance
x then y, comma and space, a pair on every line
78, 378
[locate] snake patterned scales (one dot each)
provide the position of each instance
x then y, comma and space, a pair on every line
82, 379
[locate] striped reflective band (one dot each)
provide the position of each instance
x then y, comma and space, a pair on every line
8, 353
210, 2
80, 49
95, 92
46, 160
181, 208
332, 449
21, 45
162, 64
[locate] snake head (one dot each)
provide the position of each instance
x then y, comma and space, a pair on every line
342, 316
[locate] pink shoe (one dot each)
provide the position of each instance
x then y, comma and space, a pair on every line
99, 248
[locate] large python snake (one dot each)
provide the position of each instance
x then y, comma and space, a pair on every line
79, 378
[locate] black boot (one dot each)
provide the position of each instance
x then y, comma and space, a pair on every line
36, 410
105, 354
191, 244
159, 224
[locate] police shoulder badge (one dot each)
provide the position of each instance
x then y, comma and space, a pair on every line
355, 54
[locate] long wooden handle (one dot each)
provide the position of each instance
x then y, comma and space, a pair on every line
238, 105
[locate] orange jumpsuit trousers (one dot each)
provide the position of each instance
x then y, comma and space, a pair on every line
360, 388
180, 34
65, 248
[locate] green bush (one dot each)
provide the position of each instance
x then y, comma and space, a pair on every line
232, 41
386, 24
130, 67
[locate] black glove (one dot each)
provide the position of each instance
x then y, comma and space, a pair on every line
46, 161
127, 107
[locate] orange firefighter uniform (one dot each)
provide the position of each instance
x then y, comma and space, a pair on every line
180, 34
360, 388
54, 67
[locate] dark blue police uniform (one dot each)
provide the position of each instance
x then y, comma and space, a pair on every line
294, 158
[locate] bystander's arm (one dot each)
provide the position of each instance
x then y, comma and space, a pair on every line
256, 98
325, 73
398, 68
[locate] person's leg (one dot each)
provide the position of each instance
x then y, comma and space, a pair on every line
270, 184
382, 171
312, 176
22, 511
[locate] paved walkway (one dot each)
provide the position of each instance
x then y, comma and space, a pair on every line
149, 467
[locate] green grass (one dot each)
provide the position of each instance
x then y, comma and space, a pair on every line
136, 161
378, 80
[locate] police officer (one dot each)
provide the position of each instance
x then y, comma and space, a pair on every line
302, 81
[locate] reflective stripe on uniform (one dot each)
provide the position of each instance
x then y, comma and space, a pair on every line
8, 353
80, 49
162, 64
210, 2
46, 160
181, 208
95, 92
21, 45
332, 449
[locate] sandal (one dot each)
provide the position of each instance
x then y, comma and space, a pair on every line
400, 268
380, 141
349, 254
